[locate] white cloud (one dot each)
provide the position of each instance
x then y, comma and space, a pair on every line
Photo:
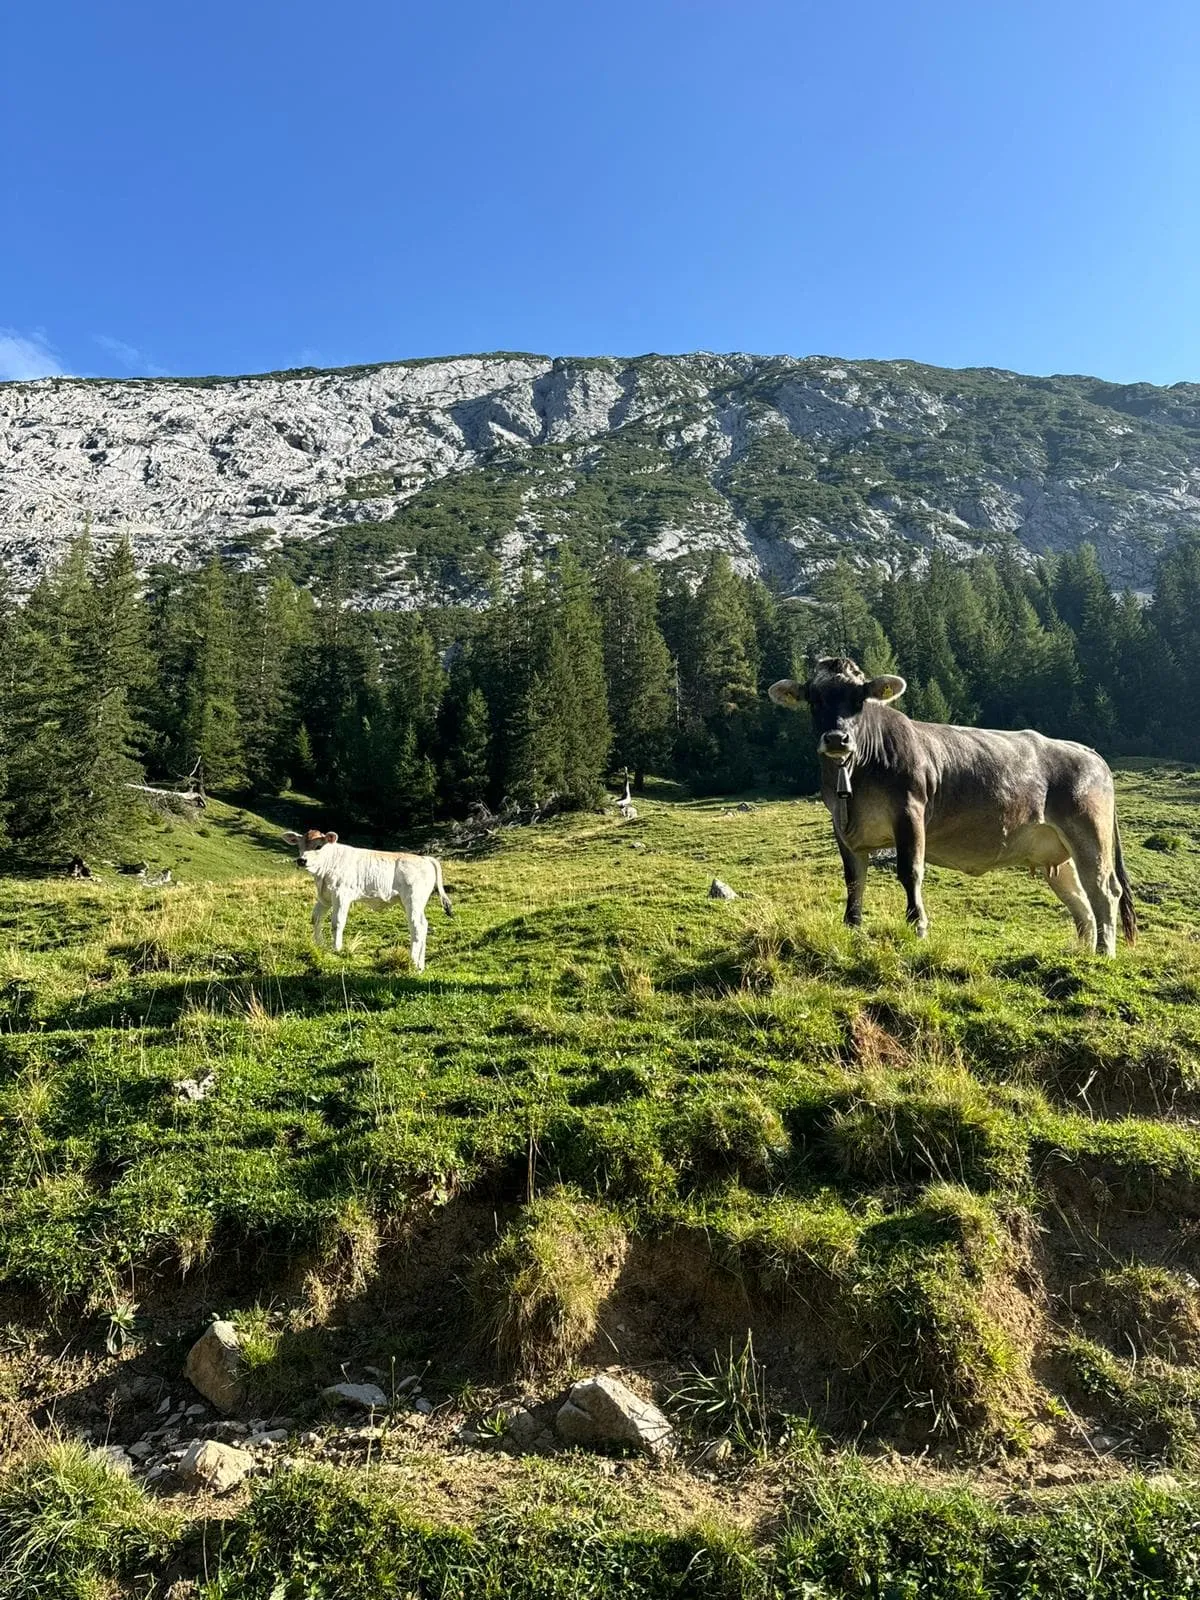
130, 357
27, 355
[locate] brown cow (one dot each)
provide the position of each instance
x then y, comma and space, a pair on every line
968, 798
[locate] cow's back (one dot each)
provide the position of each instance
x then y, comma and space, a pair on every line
987, 795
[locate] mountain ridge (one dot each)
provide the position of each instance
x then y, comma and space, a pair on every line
435, 477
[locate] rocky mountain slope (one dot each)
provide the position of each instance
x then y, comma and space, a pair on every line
433, 475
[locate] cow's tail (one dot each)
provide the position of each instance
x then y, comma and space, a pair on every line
441, 887
1128, 915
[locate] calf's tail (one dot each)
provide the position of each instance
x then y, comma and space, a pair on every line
441, 888
1128, 914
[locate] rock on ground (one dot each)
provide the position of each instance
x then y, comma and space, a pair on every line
217, 1466
717, 890
214, 1367
603, 1411
367, 1396
113, 1455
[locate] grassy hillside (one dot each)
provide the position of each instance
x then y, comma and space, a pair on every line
950, 1191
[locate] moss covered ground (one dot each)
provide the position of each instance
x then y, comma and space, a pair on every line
949, 1191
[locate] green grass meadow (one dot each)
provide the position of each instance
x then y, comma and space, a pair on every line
950, 1189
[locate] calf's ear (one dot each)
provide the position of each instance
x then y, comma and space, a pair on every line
331, 838
787, 692
887, 687
294, 838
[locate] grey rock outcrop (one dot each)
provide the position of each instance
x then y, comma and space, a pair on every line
719, 890
783, 463
214, 1366
602, 1411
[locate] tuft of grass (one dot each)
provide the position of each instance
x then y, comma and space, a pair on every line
921, 1313
729, 1134
1169, 843
942, 1125
1149, 1309
730, 1399
71, 1525
539, 1292
1157, 1403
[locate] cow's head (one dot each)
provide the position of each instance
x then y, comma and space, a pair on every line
308, 846
836, 694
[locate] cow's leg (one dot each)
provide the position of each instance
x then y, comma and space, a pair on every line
341, 909
318, 912
1065, 882
1098, 881
1093, 863
854, 870
910, 865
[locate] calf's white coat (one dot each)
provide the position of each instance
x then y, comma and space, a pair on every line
342, 874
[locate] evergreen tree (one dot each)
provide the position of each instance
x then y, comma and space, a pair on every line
9, 636
210, 730
576, 673
464, 738
274, 628
637, 665
81, 667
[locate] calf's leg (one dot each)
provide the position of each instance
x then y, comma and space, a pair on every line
418, 927
318, 912
341, 909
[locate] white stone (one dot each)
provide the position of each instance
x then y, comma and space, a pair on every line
604, 1411
367, 1396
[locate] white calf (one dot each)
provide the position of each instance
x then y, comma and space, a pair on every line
343, 874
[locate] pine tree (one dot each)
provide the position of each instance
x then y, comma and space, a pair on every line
210, 729
274, 627
9, 635
464, 738
637, 665
575, 674
81, 670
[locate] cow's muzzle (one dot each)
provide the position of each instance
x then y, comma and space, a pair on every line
833, 747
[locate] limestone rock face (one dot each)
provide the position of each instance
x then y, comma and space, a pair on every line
603, 1411
782, 463
214, 1366
214, 1465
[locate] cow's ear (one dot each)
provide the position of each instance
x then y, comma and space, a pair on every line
331, 838
887, 687
787, 692
294, 838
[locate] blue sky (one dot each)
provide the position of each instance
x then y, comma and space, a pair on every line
237, 187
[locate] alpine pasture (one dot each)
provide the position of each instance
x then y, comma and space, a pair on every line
901, 1235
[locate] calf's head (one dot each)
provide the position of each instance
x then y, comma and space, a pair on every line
836, 694
308, 846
